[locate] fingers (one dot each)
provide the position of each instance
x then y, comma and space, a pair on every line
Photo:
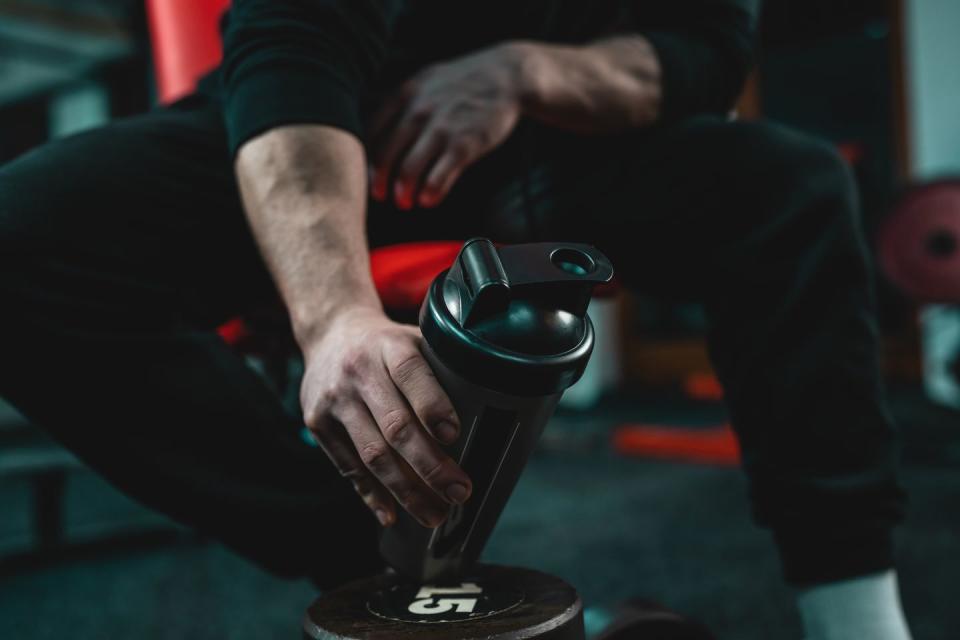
388, 154
415, 165
404, 433
336, 444
443, 175
375, 412
423, 170
416, 381
387, 466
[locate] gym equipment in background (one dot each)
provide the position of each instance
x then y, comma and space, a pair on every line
712, 445
919, 243
919, 251
506, 332
639, 619
940, 333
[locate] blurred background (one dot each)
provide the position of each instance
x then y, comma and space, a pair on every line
880, 79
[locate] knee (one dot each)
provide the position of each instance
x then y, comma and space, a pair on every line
21, 215
32, 229
13, 225
791, 185
796, 167
42, 210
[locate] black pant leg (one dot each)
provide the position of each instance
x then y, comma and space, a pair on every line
761, 225
120, 249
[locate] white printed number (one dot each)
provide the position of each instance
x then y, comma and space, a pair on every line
426, 603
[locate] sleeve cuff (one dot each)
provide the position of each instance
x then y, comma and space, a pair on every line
671, 52
272, 96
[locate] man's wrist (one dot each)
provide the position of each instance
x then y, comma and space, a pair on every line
311, 324
529, 63
609, 84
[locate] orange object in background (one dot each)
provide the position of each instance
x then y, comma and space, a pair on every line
185, 35
852, 152
703, 386
699, 445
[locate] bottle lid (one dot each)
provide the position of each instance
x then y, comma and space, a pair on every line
514, 318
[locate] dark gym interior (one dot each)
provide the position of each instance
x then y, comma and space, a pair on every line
634, 490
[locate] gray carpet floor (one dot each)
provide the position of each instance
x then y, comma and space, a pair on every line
614, 527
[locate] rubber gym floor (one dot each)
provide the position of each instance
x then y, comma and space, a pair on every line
615, 527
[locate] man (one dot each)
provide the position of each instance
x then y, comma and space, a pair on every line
601, 122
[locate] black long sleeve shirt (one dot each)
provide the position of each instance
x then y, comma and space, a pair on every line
313, 61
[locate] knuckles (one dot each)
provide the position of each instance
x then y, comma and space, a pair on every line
397, 427
355, 362
312, 418
443, 134
407, 368
420, 115
460, 151
434, 473
374, 455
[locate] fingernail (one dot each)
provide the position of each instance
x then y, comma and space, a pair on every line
447, 431
457, 493
400, 195
383, 516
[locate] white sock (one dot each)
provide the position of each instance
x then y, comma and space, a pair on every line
855, 609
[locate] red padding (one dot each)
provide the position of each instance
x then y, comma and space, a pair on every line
712, 445
185, 35
402, 273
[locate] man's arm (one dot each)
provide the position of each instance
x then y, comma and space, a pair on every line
304, 190
662, 61
291, 72
705, 49
368, 395
606, 86
300, 62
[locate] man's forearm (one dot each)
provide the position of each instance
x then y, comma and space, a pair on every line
602, 87
304, 191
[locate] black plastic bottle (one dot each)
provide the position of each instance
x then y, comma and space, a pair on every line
506, 332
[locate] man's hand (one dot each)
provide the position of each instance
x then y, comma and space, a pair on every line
450, 115
368, 394
443, 120
374, 405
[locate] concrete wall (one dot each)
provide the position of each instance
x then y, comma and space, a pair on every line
932, 44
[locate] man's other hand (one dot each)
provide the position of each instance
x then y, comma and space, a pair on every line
374, 405
443, 120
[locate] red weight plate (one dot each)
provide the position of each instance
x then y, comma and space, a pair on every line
919, 244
